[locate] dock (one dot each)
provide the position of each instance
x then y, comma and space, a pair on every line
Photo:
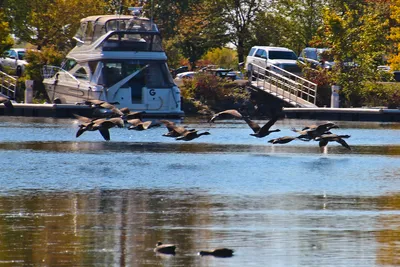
344, 114
67, 111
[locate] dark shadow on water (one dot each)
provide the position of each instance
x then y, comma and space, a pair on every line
157, 147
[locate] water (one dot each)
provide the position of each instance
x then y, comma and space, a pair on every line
67, 201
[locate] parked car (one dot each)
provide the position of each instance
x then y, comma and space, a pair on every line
316, 57
181, 69
269, 56
14, 60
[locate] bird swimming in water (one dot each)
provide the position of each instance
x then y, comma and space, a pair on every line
326, 138
231, 112
165, 248
218, 252
264, 130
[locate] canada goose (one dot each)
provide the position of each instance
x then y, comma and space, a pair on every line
133, 115
219, 252
101, 125
262, 131
103, 104
190, 135
232, 112
173, 129
138, 125
6, 102
313, 131
165, 248
325, 138
282, 140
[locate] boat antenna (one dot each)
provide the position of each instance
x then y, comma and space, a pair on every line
151, 13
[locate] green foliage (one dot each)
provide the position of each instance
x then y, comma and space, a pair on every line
6, 42
49, 22
356, 34
222, 57
37, 59
381, 94
213, 91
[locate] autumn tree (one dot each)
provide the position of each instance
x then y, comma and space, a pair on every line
394, 55
356, 33
196, 34
6, 42
49, 22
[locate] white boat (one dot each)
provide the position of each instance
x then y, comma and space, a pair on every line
118, 59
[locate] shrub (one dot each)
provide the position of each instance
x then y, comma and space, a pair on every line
215, 92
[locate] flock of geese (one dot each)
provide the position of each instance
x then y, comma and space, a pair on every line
170, 249
121, 117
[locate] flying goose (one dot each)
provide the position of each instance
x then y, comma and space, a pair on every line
264, 130
101, 125
6, 102
232, 112
313, 131
190, 135
326, 138
104, 104
282, 140
165, 248
219, 252
138, 125
173, 129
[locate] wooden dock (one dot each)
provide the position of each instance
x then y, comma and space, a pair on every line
344, 114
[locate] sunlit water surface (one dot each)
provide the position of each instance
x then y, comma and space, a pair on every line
67, 201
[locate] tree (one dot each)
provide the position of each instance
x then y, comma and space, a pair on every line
237, 18
394, 55
356, 33
49, 22
6, 42
197, 34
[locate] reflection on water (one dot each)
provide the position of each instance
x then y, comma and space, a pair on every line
67, 201
120, 228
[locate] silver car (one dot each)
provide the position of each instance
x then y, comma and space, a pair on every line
14, 60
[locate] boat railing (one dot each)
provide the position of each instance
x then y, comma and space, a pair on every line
49, 71
8, 85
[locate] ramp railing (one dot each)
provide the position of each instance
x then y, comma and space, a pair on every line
290, 87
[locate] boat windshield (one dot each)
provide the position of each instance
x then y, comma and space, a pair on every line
132, 41
152, 74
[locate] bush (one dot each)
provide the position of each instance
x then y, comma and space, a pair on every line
214, 92
381, 94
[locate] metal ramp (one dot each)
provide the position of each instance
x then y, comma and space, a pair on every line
8, 85
293, 89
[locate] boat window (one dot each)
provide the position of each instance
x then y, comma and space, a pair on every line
93, 65
122, 41
112, 73
81, 74
89, 32
81, 32
159, 76
68, 64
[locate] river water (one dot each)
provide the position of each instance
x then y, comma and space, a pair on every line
67, 201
